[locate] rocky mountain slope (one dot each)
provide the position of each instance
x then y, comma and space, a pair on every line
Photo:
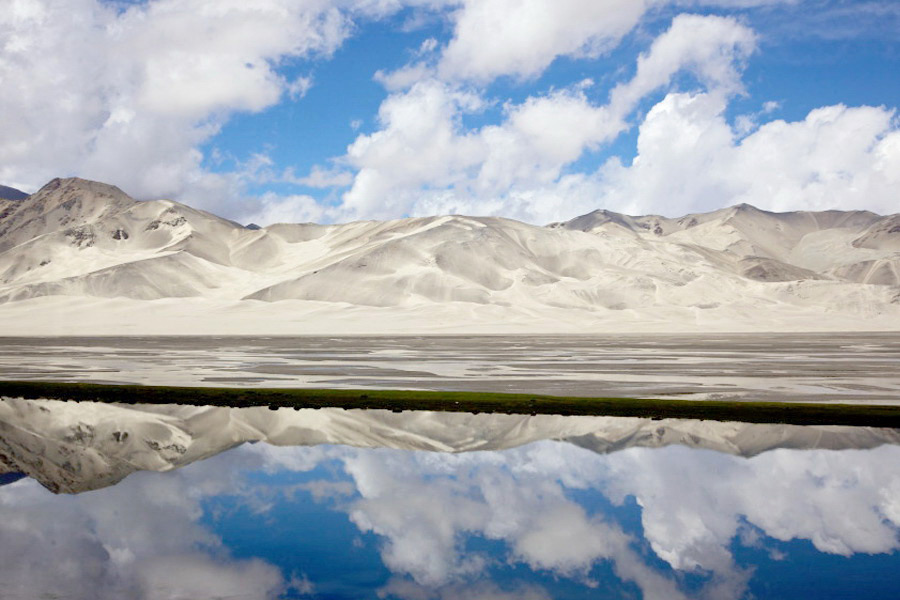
75, 243
74, 447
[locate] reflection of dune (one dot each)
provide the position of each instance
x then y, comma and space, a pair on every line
74, 447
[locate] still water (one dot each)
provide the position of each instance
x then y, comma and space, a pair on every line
115, 501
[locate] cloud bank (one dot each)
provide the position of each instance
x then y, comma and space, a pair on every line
136, 95
130, 95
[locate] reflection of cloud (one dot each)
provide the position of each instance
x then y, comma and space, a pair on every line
840, 501
425, 504
144, 538
410, 590
198, 576
421, 521
694, 504
139, 539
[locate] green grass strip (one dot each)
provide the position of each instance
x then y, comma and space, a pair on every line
796, 413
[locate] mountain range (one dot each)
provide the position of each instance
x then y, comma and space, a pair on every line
82, 257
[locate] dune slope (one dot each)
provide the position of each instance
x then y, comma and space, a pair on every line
82, 257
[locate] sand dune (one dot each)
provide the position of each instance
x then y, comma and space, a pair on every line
75, 242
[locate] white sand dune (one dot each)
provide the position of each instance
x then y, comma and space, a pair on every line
74, 447
81, 257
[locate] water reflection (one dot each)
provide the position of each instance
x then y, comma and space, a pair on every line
526, 507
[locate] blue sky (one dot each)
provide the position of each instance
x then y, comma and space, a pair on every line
332, 111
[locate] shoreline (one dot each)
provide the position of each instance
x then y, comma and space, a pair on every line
792, 413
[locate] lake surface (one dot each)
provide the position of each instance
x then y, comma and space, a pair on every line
789, 367
200, 502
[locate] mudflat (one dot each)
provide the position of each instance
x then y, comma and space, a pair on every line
838, 367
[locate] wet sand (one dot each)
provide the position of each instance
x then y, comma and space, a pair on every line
788, 367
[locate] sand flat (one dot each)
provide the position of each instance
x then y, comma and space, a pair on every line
791, 367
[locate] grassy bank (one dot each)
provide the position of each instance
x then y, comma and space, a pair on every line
474, 402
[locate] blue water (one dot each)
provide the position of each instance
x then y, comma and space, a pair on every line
546, 520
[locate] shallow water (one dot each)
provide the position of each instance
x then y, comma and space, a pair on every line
794, 367
538, 507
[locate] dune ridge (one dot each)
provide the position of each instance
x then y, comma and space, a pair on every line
82, 257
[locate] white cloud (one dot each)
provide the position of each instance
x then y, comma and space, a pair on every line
428, 46
424, 161
493, 38
712, 48
131, 94
318, 177
294, 208
690, 159
298, 87
404, 77
419, 144
128, 96
509, 37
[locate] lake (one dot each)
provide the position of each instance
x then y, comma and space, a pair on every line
117, 501
113, 501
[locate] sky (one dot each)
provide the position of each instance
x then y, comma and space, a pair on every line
537, 110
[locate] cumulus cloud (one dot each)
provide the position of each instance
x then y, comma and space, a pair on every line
836, 158
508, 37
128, 95
712, 48
293, 208
423, 160
132, 93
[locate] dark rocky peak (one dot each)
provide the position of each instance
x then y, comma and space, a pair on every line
595, 219
71, 190
74, 201
10, 193
62, 204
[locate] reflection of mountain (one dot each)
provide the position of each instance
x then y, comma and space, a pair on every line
87, 248
7, 478
74, 447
